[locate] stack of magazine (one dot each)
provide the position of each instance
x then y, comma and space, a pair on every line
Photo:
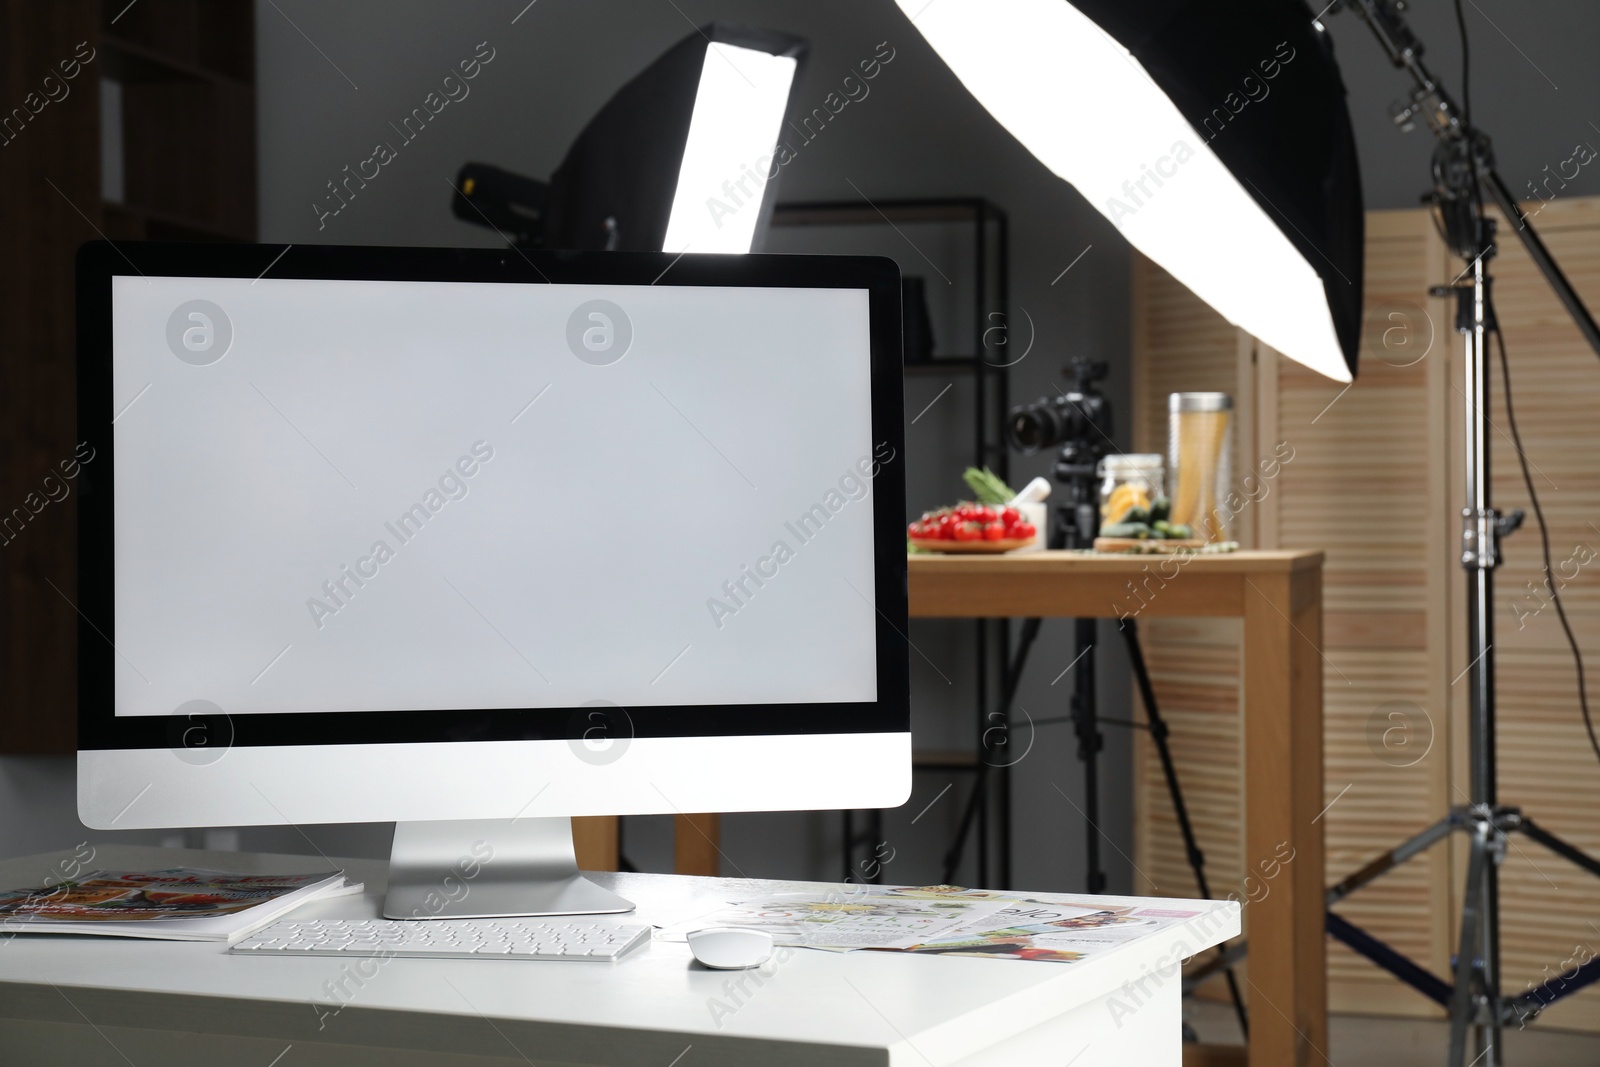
176, 904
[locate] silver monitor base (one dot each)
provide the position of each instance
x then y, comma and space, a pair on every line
489, 868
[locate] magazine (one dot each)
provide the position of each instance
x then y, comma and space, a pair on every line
943, 920
1053, 929
177, 904
864, 917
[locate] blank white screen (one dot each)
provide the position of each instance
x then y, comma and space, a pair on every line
580, 562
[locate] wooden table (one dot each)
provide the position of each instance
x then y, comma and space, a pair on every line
1279, 597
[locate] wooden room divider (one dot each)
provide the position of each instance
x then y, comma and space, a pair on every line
1370, 474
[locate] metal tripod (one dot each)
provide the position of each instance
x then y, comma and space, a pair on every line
1478, 1007
1475, 1002
1464, 171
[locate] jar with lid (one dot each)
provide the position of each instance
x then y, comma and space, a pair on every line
1199, 446
1128, 481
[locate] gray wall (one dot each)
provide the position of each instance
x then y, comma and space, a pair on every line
1536, 92
917, 134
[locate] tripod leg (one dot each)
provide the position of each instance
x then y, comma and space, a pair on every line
875, 824
1013, 678
952, 856
623, 862
1169, 770
1090, 741
1393, 858
847, 837
1025, 640
1560, 847
1488, 1030
1462, 1003
1158, 734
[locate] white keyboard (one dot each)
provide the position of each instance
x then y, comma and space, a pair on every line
512, 939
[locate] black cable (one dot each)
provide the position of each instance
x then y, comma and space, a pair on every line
1511, 417
1544, 544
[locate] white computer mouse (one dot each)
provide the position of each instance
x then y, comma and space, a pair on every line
730, 948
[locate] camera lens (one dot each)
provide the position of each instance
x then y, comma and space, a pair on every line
1030, 427
1026, 433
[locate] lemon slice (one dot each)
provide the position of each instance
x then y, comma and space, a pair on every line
1124, 498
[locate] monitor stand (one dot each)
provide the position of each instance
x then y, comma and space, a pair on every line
491, 867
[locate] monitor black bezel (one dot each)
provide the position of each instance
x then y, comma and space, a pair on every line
99, 728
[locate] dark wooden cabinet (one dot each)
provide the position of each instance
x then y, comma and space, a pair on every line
184, 138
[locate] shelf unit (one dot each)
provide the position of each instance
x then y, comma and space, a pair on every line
187, 153
991, 294
990, 251
186, 69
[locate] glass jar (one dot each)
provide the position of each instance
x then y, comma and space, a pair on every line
1129, 480
1199, 448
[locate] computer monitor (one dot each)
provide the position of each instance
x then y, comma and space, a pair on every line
475, 541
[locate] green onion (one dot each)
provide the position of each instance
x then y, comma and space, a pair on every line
987, 487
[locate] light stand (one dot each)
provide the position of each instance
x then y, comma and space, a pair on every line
1464, 169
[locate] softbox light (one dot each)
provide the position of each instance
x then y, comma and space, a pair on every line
1214, 136
680, 159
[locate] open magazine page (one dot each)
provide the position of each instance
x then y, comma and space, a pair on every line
1054, 929
859, 916
149, 896
945, 921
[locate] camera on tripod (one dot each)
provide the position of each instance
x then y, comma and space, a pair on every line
1078, 420
1081, 417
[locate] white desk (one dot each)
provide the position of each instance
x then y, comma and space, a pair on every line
88, 1001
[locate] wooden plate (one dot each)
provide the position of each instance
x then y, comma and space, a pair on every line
990, 547
1134, 544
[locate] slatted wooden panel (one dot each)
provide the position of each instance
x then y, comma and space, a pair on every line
1379, 589
1181, 345
1374, 483
1194, 666
1366, 485
1546, 765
